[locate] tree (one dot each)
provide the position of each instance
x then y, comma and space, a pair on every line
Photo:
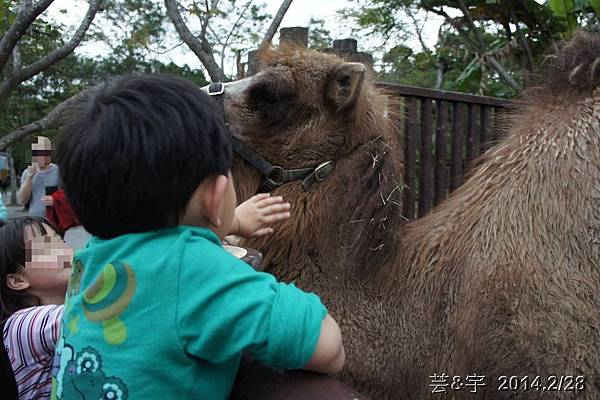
29, 47
216, 36
134, 31
318, 36
23, 18
43, 98
505, 39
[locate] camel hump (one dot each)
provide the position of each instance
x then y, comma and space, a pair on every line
574, 64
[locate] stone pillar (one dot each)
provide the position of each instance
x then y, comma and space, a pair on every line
295, 34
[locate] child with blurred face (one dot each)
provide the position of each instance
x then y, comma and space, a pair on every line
35, 265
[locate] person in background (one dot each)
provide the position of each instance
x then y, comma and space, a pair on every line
3, 211
39, 176
64, 219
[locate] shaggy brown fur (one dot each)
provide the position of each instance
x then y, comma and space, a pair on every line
501, 279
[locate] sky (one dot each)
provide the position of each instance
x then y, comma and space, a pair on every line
298, 14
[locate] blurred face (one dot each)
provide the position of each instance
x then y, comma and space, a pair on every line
40, 151
47, 261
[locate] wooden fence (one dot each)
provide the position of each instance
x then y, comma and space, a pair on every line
444, 132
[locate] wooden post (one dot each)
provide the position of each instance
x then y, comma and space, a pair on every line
345, 45
425, 156
473, 136
458, 129
253, 62
410, 156
441, 153
485, 133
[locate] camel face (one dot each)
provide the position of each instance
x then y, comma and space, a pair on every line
305, 108
297, 110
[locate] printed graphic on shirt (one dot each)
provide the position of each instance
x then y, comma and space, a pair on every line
75, 279
107, 297
80, 376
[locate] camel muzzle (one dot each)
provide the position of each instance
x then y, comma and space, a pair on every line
274, 176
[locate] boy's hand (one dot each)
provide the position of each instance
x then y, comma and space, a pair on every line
253, 217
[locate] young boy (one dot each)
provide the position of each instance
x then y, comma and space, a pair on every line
155, 308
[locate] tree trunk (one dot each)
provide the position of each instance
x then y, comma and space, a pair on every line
276, 22
201, 48
440, 76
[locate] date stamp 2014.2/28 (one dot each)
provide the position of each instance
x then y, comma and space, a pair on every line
444, 383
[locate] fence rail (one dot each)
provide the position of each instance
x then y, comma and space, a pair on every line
443, 132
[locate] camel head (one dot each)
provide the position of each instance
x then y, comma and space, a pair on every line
305, 108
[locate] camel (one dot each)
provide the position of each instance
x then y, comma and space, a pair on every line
500, 280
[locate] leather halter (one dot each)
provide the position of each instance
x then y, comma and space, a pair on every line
274, 175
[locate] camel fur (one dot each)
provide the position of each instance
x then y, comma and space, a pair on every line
501, 279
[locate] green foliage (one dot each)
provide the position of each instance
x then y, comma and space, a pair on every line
463, 70
575, 13
463, 59
133, 31
318, 36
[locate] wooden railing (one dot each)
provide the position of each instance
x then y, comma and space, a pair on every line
443, 133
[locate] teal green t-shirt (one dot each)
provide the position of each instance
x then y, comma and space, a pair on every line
166, 314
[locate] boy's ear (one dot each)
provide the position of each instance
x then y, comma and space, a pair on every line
211, 196
17, 281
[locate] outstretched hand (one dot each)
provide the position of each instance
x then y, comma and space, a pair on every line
254, 216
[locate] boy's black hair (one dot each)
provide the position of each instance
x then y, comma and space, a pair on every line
12, 256
136, 149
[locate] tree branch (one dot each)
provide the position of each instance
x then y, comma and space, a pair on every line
478, 48
18, 76
469, 18
203, 19
513, 16
419, 31
502, 73
16, 58
25, 17
51, 120
458, 27
224, 45
202, 49
276, 22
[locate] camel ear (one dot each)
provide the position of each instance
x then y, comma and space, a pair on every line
345, 84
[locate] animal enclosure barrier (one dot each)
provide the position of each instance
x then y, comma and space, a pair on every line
443, 135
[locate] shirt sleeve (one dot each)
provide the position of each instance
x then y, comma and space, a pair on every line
225, 307
32, 333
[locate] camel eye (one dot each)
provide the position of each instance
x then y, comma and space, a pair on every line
269, 93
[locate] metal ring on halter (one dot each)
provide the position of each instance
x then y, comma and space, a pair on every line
215, 89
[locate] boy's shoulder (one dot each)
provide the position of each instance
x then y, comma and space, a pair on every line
182, 233
183, 244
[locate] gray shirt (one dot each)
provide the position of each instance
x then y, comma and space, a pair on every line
41, 179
